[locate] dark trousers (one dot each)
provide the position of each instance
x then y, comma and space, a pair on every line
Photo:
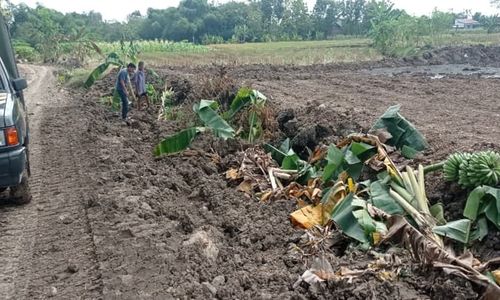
124, 99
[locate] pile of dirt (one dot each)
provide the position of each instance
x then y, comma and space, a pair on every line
174, 227
479, 55
181, 86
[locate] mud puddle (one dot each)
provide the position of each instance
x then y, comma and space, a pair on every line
437, 71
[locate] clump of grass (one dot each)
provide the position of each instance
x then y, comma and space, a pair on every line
72, 78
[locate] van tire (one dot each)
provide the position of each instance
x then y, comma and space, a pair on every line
21, 194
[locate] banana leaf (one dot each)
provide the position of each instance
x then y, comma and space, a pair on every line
484, 200
285, 146
111, 59
114, 59
343, 216
409, 152
463, 230
291, 161
213, 121
205, 103
244, 97
352, 164
178, 142
380, 198
365, 221
96, 74
351, 158
335, 158
255, 126
480, 231
402, 131
363, 151
278, 154
437, 211
459, 230
354, 156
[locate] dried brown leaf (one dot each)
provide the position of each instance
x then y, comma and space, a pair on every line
307, 217
232, 174
266, 196
427, 251
246, 186
318, 154
496, 275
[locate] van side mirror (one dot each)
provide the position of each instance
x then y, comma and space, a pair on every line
19, 84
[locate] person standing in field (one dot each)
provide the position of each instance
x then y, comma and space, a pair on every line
139, 81
121, 87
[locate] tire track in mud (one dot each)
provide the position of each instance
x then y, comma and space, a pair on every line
46, 247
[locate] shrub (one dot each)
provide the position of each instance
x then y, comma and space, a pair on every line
25, 51
212, 39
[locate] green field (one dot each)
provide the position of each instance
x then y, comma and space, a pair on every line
297, 53
343, 50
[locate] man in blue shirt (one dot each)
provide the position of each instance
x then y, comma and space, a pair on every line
121, 87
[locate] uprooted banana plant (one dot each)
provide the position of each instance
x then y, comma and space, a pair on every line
391, 207
247, 104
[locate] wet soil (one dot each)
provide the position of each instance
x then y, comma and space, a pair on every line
110, 221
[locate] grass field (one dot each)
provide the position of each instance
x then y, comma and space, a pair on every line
306, 52
297, 53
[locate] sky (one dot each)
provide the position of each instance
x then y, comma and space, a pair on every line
119, 9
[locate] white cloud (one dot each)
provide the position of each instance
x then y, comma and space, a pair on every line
425, 7
119, 9
110, 9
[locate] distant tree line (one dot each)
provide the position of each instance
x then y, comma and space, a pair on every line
198, 21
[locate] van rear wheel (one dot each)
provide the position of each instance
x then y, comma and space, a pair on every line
21, 194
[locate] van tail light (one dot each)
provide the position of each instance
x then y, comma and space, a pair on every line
12, 138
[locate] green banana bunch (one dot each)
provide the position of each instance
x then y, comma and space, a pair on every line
451, 166
473, 170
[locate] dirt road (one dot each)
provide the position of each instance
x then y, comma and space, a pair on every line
47, 247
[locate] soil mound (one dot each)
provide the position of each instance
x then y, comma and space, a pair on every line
175, 227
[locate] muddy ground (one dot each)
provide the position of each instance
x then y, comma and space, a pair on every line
109, 221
